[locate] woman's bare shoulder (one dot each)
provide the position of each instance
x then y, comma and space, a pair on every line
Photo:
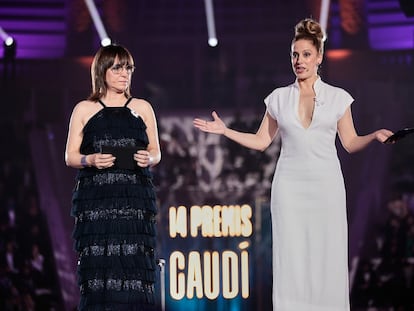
142, 107
85, 109
139, 102
85, 105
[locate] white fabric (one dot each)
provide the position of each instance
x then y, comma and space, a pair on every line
310, 243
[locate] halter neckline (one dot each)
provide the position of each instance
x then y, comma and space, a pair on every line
105, 106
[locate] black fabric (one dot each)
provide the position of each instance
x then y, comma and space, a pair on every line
115, 228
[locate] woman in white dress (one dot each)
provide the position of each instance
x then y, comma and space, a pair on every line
308, 207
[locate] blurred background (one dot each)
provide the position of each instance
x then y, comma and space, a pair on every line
46, 51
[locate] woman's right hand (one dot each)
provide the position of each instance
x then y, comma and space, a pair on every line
101, 160
216, 126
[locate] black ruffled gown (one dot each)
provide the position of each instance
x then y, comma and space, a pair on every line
114, 210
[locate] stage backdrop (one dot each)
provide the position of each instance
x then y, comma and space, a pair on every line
214, 227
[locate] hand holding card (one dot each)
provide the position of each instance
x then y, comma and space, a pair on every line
124, 156
399, 135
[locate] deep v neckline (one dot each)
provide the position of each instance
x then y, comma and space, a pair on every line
297, 114
297, 104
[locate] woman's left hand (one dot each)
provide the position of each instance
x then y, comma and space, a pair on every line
382, 135
143, 158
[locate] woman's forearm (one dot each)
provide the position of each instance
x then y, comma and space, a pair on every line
249, 140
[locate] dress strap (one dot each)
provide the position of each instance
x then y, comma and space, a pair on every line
129, 99
101, 102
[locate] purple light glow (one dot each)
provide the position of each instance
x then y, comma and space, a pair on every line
388, 27
392, 38
38, 45
39, 31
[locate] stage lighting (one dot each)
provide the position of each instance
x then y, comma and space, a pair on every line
93, 11
211, 28
9, 41
9, 56
105, 41
212, 42
323, 19
9, 49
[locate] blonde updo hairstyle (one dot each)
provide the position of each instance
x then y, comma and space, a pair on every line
309, 29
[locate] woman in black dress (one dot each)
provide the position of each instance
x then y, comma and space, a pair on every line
113, 141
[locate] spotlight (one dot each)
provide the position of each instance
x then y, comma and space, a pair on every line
93, 11
9, 55
323, 19
211, 28
9, 41
212, 42
105, 41
9, 49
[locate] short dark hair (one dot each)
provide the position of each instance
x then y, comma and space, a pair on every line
103, 60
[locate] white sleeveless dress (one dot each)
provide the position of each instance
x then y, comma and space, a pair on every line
308, 204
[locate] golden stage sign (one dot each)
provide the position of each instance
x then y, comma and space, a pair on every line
202, 271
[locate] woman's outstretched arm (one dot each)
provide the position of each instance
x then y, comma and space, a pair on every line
258, 141
353, 142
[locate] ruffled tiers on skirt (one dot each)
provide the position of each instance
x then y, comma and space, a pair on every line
115, 237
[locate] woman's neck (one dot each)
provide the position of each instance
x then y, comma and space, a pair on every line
306, 84
112, 99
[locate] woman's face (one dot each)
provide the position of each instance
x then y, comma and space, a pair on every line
305, 59
118, 77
